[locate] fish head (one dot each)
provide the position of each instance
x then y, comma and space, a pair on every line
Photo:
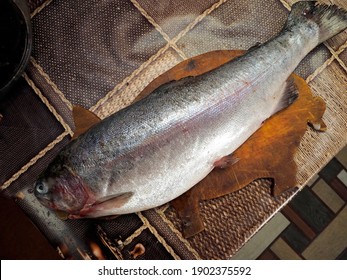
58, 188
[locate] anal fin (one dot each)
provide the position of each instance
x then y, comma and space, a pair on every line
288, 94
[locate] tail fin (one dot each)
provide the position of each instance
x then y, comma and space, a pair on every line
330, 19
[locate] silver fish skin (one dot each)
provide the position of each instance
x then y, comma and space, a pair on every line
156, 149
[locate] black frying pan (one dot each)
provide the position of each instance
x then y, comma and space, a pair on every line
15, 42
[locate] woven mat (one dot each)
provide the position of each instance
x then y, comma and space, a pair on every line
101, 55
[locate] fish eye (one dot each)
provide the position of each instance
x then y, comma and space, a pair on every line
41, 188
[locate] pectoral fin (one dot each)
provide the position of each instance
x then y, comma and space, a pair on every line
106, 206
288, 95
116, 200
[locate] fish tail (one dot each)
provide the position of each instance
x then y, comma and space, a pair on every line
330, 19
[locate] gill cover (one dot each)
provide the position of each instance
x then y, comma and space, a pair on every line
61, 190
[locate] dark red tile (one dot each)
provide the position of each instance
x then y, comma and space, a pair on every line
339, 188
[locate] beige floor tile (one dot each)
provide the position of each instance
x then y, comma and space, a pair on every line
284, 251
328, 195
262, 239
331, 242
343, 177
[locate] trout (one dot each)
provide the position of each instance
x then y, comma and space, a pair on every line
151, 152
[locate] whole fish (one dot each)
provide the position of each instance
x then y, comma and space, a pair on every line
156, 149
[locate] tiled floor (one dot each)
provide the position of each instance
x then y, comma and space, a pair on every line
313, 225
